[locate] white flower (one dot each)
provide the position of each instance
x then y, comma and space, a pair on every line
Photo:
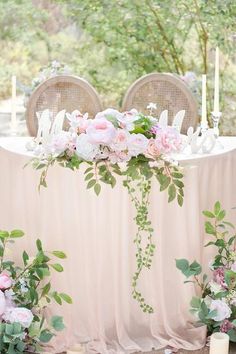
137, 144
233, 267
223, 310
2, 303
152, 106
59, 143
127, 119
215, 287
84, 149
18, 314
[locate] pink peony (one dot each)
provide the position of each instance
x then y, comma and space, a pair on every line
101, 131
5, 281
219, 277
226, 326
2, 303
223, 310
19, 314
152, 150
137, 144
120, 141
167, 140
60, 142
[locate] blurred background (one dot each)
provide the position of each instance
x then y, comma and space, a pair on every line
113, 42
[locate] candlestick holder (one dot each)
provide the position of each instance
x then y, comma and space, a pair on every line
216, 120
204, 127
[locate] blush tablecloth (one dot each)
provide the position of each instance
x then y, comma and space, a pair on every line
97, 235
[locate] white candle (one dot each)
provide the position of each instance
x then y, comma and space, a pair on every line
13, 105
216, 91
219, 343
204, 108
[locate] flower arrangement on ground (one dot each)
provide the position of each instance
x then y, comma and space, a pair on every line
216, 306
128, 144
25, 293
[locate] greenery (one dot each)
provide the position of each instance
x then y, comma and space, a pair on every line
28, 288
111, 43
216, 306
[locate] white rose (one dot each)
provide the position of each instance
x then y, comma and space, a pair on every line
2, 303
20, 315
137, 144
84, 149
223, 310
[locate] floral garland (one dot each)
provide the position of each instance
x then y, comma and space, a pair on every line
25, 293
216, 307
128, 144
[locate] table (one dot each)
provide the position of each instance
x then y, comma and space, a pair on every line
97, 235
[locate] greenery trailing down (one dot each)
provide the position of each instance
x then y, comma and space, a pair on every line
137, 175
216, 306
25, 293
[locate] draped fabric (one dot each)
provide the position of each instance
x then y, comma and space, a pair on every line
97, 235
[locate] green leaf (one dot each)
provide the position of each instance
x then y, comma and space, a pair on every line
91, 183
89, 176
195, 302
16, 233
178, 183
39, 245
25, 258
232, 335
4, 234
45, 336
208, 214
57, 298
180, 200
196, 268
230, 278
59, 254
46, 289
66, 298
217, 208
97, 188
171, 193
221, 215
182, 264
209, 228
58, 267
57, 323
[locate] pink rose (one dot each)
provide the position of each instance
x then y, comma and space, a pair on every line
60, 142
152, 149
19, 314
5, 281
167, 140
137, 144
101, 131
120, 141
118, 157
226, 326
2, 303
127, 119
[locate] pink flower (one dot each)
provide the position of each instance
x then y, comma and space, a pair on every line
119, 157
5, 281
152, 149
101, 131
109, 113
78, 121
222, 310
2, 303
226, 326
219, 277
60, 142
167, 140
120, 141
19, 314
137, 144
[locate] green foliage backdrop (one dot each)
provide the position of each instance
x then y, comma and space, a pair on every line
113, 42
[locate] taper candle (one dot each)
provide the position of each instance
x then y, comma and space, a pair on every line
13, 104
216, 87
204, 107
219, 343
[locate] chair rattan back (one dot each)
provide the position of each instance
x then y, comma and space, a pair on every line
168, 92
61, 92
